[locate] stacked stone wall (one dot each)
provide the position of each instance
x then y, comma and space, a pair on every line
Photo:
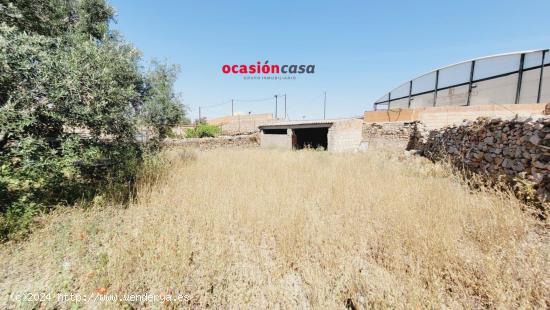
516, 151
211, 143
386, 134
387, 130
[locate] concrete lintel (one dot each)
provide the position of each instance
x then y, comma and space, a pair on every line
296, 126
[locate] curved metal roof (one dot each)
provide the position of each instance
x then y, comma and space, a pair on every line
480, 58
460, 63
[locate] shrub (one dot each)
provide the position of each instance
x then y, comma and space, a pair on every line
203, 131
70, 93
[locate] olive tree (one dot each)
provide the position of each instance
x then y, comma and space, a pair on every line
162, 108
71, 94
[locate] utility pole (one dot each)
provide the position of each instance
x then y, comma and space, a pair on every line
285, 107
276, 106
199, 115
325, 107
232, 110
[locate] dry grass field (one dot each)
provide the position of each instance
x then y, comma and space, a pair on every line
279, 229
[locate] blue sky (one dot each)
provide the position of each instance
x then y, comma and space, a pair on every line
360, 49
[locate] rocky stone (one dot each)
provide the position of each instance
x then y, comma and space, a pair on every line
489, 140
535, 139
398, 131
518, 166
502, 149
240, 141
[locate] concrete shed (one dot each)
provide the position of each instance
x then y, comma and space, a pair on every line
333, 135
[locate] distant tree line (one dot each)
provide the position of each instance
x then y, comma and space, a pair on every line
72, 95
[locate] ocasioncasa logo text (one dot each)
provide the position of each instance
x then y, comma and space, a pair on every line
267, 68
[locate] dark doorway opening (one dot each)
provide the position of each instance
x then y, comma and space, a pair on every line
311, 138
275, 131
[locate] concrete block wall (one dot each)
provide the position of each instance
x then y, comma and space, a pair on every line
345, 136
276, 141
438, 117
445, 116
393, 115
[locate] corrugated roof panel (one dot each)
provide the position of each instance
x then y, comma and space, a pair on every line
303, 122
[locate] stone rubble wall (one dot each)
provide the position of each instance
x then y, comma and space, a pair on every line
387, 134
516, 151
388, 130
242, 141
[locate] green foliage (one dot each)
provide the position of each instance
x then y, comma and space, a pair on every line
93, 17
44, 17
57, 17
203, 131
162, 108
69, 100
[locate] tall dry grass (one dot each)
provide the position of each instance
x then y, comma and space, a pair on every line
274, 229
